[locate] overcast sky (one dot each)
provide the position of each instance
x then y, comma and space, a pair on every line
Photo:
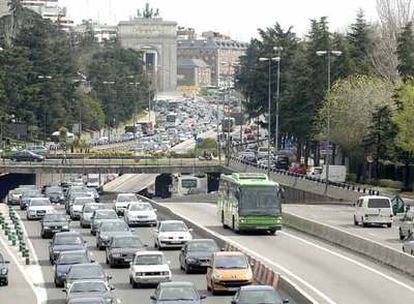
238, 18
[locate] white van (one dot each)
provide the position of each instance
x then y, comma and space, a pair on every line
373, 210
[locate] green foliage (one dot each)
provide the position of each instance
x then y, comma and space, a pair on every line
405, 51
404, 117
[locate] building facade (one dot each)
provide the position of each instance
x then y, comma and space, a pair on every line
102, 32
193, 72
157, 39
4, 8
218, 52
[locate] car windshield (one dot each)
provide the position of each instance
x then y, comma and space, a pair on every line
140, 207
127, 198
259, 201
82, 201
109, 214
86, 272
68, 240
91, 208
53, 190
230, 262
69, 258
114, 226
174, 227
126, 242
378, 203
39, 202
88, 287
259, 296
17, 191
206, 246
54, 218
178, 293
31, 193
149, 259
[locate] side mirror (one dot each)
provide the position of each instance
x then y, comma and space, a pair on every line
233, 302
64, 290
156, 230
155, 210
252, 264
130, 264
153, 298
190, 230
112, 288
109, 276
223, 249
203, 296
146, 245
285, 301
169, 262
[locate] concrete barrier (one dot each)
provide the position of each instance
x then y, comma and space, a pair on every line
262, 273
371, 249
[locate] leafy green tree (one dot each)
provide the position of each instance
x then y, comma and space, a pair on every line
405, 51
404, 117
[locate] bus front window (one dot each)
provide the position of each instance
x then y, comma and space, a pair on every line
259, 201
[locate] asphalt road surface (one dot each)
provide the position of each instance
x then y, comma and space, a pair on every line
341, 217
327, 273
120, 275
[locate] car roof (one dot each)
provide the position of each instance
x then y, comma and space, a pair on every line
88, 300
74, 251
149, 253
177, 284
373, 196
229, 253
68, 233
171, 221
96, 265
257, 287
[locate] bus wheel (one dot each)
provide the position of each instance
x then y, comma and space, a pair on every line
234, 225
272, 231
222, 220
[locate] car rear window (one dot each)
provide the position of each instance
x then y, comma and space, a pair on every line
378, 203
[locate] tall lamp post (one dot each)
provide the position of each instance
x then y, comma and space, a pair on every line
328, 54
269, 60
135, 84
109, 83
278, 49
46, 78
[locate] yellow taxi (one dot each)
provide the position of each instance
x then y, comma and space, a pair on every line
228, 271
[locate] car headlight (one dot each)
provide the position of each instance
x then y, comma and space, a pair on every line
3, 271
165, 273
217, 275
32, 211
65, 227
139, 274
46, 227
116, 255
191, 260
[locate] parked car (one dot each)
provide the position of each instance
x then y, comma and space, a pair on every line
90, 289
123, 200
65, 241
196, 254
176, 292
407, 225
258, 294
87, 271
140, 213
108, 229
101, 215
171, 234
4, 271
65, 261
87, 212
26, 155
53, 223
121, 249
228, 271
38, 207
149, 268
373, 210
76, 207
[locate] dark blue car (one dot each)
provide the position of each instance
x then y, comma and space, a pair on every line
66, 260
65, 241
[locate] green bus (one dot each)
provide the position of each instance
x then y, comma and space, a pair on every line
248, 202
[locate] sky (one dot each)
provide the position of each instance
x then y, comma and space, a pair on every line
238, 18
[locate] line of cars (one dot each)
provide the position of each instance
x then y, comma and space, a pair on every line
280, 160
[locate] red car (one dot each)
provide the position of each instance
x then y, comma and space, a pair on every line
298, 169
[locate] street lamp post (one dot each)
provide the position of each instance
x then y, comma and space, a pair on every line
135, 84
278, 49
269, 60
328, 54
109, 130
46, 78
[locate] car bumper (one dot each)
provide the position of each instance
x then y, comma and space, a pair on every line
143, 222
52, 231
151, 279
230, 285
260, 227
377, 220
124, 261
172, 244
35, 216
85, 223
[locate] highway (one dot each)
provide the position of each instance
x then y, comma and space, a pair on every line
120, 275
341, 217
327, 273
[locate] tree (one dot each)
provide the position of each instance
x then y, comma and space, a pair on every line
404, 117
405, 51
352, 105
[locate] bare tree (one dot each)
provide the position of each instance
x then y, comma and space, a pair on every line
393, 15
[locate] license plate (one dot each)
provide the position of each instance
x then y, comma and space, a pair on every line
128, 260
204, 264
56, 230
175, 242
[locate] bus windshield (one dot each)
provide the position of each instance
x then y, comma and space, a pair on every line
260, 201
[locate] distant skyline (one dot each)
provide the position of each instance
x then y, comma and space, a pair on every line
239, 19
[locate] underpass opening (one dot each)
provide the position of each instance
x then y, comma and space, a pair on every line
14, 180
163, 184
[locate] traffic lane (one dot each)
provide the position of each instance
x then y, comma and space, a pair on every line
120, 278
18, 290
328, 273
131, 183
341, 217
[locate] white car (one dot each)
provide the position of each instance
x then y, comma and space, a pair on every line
123, 200
171, 234
75, 210
373, 210
140, 213
149, 267
38, 207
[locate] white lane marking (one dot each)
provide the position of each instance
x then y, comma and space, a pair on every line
268, 261
387, 277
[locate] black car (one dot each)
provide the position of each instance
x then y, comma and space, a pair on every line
258, 294
196, 254
121, 249
281, 162
65, 241
88, 271
55, 194
65, 262
175, 293
4, 271
53, 223
26, 155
